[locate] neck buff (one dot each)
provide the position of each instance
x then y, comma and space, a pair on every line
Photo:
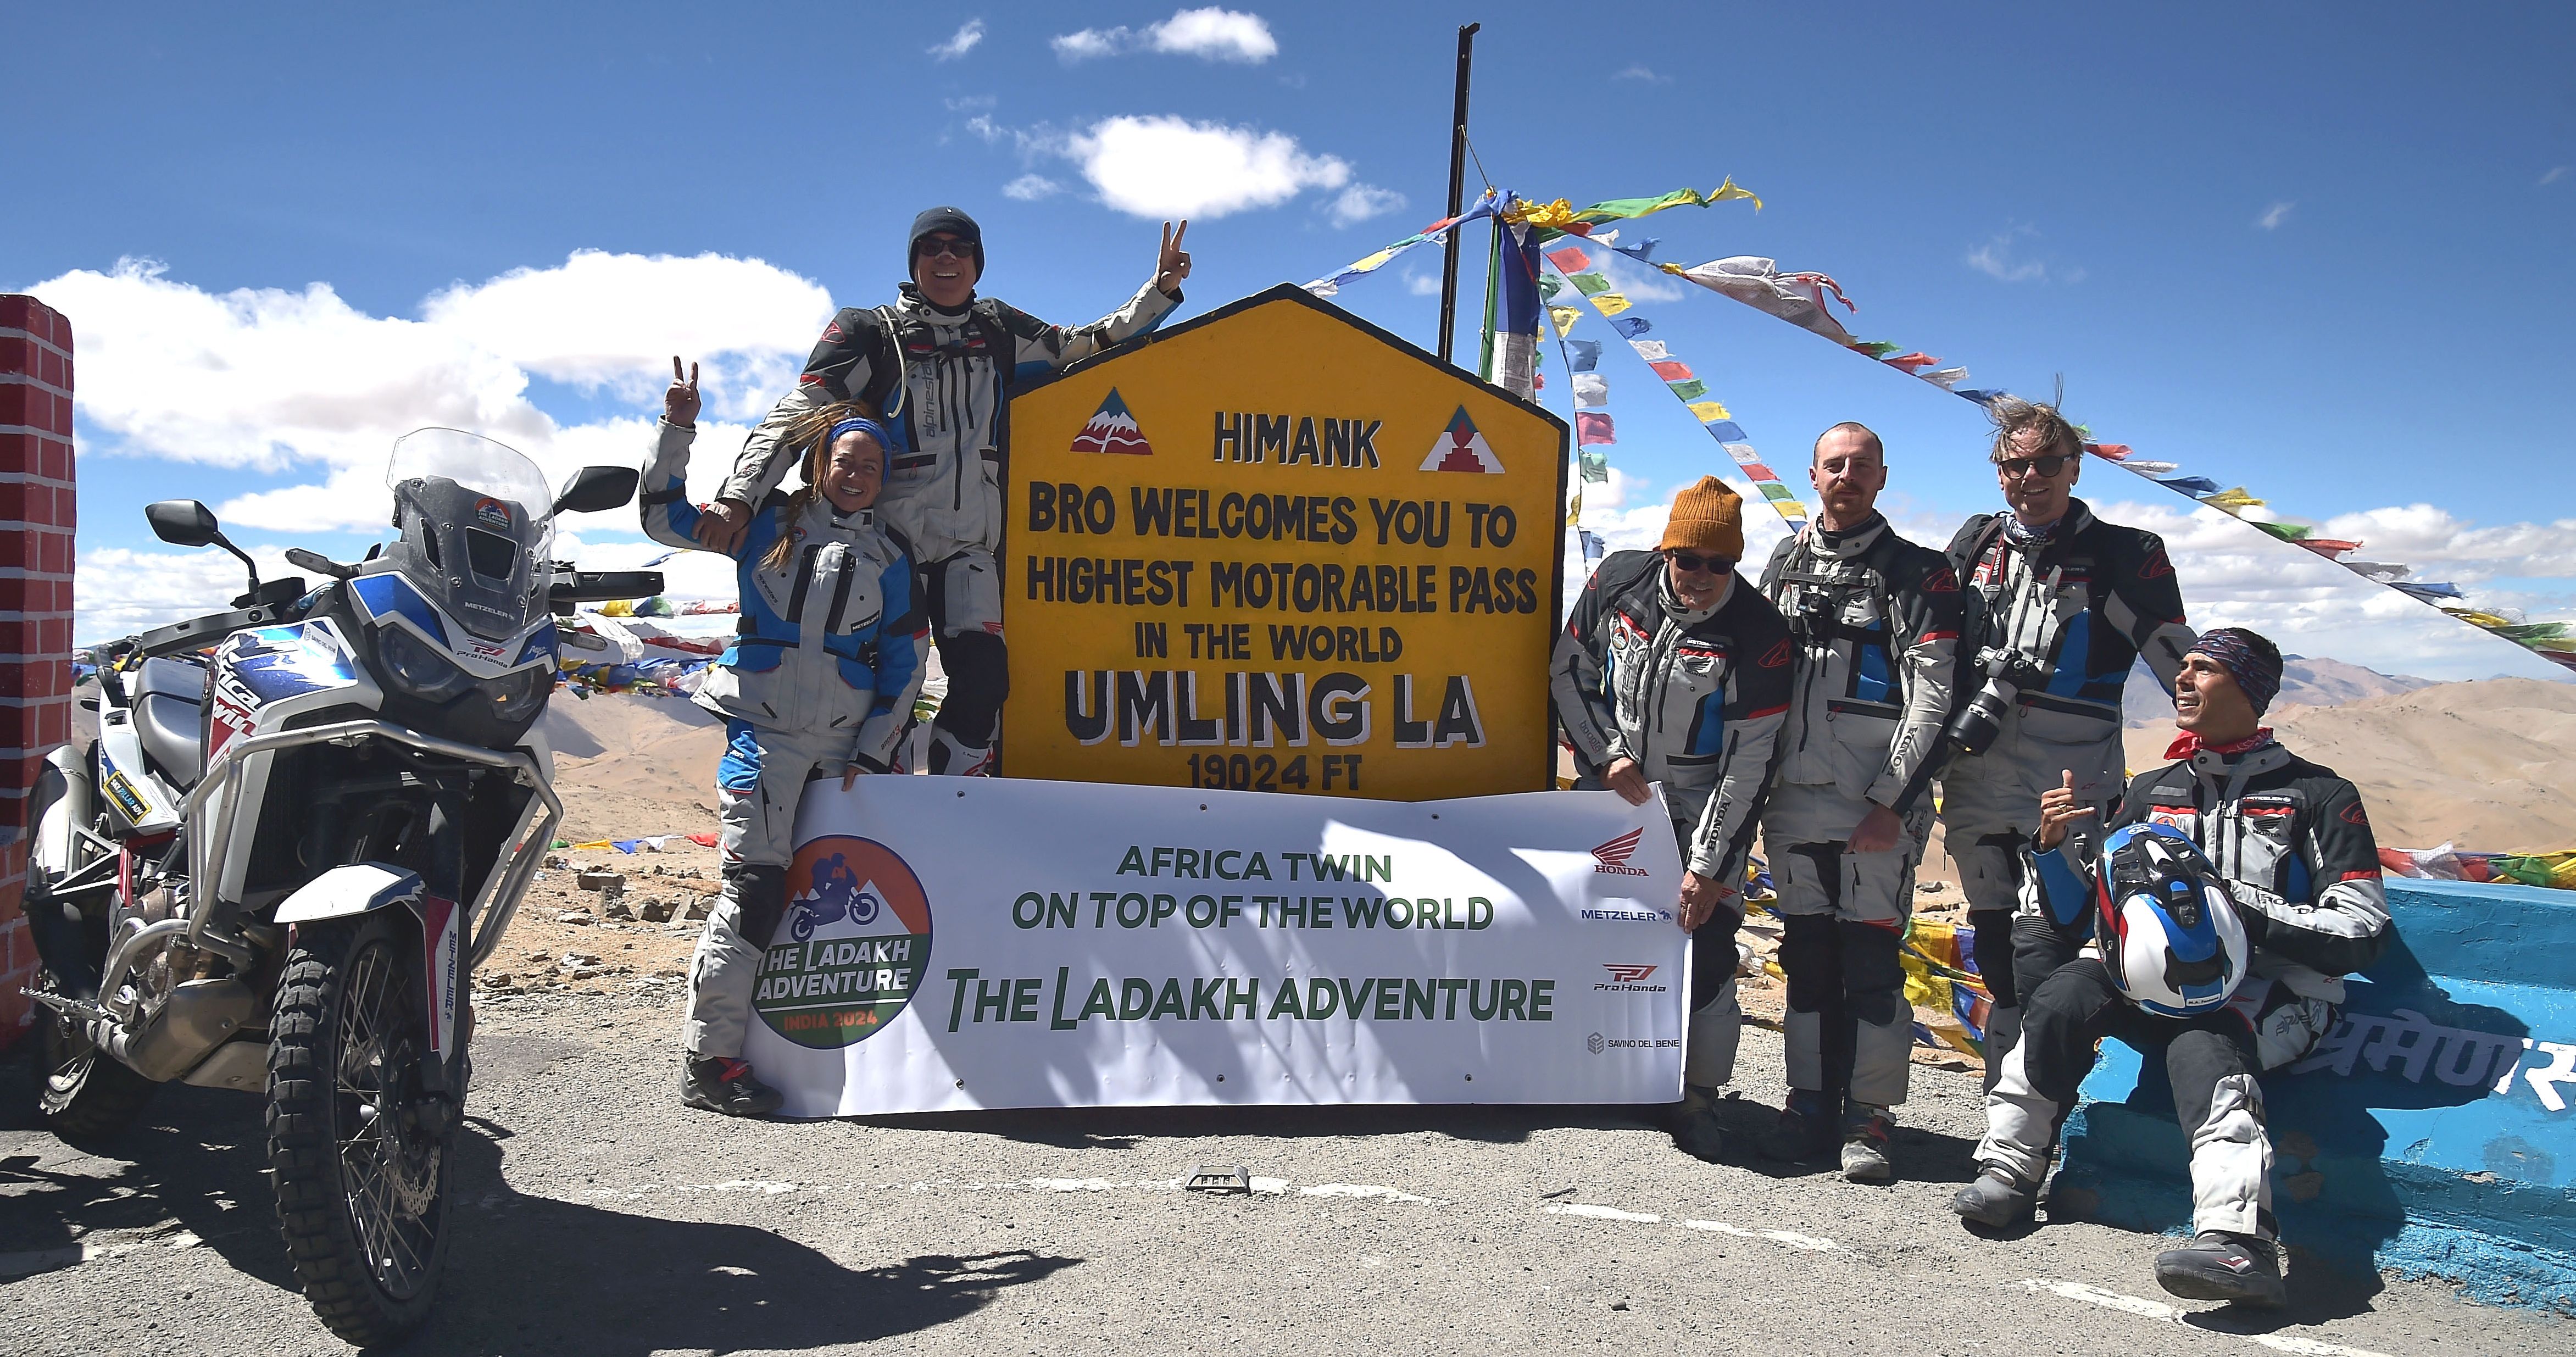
1831, 539
2187, 744
2022, 534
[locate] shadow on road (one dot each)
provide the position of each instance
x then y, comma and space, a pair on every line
524, 1272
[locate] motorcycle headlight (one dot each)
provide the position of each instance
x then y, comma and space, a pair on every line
515, 695
419, 668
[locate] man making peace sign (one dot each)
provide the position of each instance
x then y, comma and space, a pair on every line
940, 364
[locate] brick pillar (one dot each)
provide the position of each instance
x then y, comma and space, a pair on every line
36, 517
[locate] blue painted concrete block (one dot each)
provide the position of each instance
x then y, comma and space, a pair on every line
2432, 1133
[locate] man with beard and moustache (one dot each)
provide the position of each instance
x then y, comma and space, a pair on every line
941, 363
1876, 619
2060, 605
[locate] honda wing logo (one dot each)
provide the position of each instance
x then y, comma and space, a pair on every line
1612, 857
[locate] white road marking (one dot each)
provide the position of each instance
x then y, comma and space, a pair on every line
91, 1248
1362, 1190
2158, 1310
1602, 1213
763, 1186
1789, 1238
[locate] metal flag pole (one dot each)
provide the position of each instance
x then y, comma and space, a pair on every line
1457, 189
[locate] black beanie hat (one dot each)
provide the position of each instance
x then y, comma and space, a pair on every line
948, 219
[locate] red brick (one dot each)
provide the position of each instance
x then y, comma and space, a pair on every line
18, 311
56, 724
54, 460
54, 555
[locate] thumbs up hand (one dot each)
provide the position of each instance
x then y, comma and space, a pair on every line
2058, 811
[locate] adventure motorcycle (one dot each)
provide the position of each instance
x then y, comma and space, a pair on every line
303, 823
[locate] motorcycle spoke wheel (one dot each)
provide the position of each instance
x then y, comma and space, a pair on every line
361, 1185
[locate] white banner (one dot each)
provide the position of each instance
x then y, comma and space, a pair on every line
956, 943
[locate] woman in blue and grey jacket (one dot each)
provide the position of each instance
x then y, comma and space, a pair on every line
820, 680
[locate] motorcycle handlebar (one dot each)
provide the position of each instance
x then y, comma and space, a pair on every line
582, 586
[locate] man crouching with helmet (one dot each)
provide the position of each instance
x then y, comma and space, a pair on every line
2226, 989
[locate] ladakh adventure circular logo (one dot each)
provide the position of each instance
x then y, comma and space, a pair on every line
851, 948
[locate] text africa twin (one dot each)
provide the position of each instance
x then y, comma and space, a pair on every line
303, 823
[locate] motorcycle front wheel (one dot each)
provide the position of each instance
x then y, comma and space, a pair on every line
362, 1157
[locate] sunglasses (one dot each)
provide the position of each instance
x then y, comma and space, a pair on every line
1693, 565
933, 247
2050, 465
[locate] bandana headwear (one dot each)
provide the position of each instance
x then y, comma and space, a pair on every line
2233, 649
859, 424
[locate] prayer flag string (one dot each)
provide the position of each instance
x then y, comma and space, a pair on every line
1804, 300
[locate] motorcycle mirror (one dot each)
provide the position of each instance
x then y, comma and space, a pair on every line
187, 523
183, 523
596, 489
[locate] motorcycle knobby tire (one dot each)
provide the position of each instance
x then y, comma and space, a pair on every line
305, 1112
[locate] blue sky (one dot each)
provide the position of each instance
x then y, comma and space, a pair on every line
2320, 251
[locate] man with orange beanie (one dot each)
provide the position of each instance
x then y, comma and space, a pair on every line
1675, 670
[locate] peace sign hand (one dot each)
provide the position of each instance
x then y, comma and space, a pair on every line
680, 402
1173, 264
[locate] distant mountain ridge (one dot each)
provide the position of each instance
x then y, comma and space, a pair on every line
2305, 682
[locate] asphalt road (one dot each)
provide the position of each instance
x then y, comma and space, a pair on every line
600, 1217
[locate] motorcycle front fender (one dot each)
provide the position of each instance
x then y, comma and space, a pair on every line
364, 887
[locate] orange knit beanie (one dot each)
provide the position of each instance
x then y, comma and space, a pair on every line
1707, 518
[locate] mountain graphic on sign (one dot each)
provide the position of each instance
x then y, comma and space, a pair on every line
1461, 448
1112, 429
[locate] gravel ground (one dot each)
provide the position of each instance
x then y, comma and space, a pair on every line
596, 1215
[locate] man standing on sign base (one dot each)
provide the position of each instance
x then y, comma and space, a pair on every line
2060, 606
2243, 976
941, 363
1675, 669
1877, 625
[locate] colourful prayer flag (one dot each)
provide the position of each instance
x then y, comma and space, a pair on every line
1592, 430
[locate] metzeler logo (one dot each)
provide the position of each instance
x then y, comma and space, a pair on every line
1612, 857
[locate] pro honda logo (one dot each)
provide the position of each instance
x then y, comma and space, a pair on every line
1625, 973
1612, 857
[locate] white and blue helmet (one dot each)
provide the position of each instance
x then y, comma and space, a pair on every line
2169, 932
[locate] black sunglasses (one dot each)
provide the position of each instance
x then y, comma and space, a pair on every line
1694, 564
932, 247
2048, 465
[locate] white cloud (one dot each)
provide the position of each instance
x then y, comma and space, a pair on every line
1216, 35
2556, 173
2002, 257
1643, 75
1422, 284
271, 381
2274, 215
1090, 43
1211, 34
1635, 281
615, 320
961, 42
1028, 188
1164, 167
1359, 202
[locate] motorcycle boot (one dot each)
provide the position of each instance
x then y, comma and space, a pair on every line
2218, 1265
1865, 1143
725, 1085
1996, 1198
1806, 1130
1695, 1128
952, 757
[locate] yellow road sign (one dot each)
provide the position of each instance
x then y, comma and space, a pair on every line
1276, 548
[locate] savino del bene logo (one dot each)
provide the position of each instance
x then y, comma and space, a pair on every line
850, 949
